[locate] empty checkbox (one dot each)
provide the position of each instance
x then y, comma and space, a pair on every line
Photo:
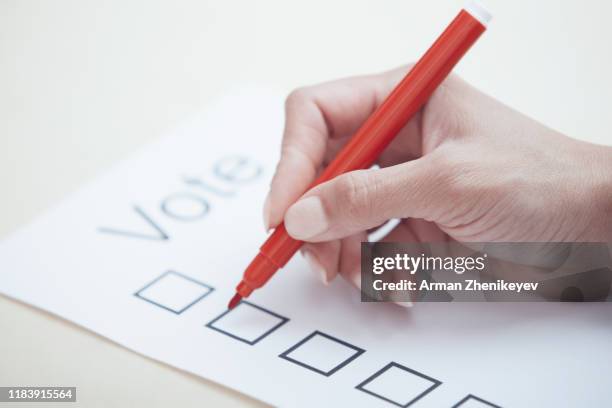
174, 292
247, 322
398, 385
472, 401
322, 353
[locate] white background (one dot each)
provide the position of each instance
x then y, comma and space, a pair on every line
83, 84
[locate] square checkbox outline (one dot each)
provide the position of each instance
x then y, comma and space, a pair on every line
435, 383
283, 320
473, 397
209, 288
285, 354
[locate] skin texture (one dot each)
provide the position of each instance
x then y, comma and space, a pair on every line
465, 168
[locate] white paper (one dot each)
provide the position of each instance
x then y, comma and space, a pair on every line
167, 212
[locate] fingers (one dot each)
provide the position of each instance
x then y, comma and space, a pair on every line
315, 115
360, 200
343, 257
329, 259
323, 259
349, 265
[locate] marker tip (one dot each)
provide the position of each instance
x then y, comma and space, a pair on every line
234, 302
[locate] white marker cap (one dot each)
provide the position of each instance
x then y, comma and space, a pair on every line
478, 12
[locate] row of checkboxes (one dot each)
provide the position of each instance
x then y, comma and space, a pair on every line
319, 352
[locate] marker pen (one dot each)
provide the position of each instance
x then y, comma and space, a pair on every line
376, 133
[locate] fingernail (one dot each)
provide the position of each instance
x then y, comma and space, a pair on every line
314, 264
397, 299
306, 218
266, 213
356, 279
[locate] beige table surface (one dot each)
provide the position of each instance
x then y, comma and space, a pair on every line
85, 83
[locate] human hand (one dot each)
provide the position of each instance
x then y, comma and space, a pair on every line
465, 168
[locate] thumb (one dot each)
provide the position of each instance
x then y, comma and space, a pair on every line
363, 199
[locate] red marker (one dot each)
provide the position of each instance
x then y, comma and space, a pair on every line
376, 133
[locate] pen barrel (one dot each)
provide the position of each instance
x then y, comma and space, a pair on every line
390, 117
407, 98
280, 247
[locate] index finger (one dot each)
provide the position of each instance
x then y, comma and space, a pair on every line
313, 115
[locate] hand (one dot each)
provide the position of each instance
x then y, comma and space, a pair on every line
465, 168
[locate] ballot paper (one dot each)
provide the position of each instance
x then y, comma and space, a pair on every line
149, 254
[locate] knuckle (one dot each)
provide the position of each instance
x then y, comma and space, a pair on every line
449, 165
296, 97
354, 194
446, 160
460, 173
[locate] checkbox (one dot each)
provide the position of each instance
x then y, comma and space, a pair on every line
322, 353
398, 385
174, 292
472, 401
247, 322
